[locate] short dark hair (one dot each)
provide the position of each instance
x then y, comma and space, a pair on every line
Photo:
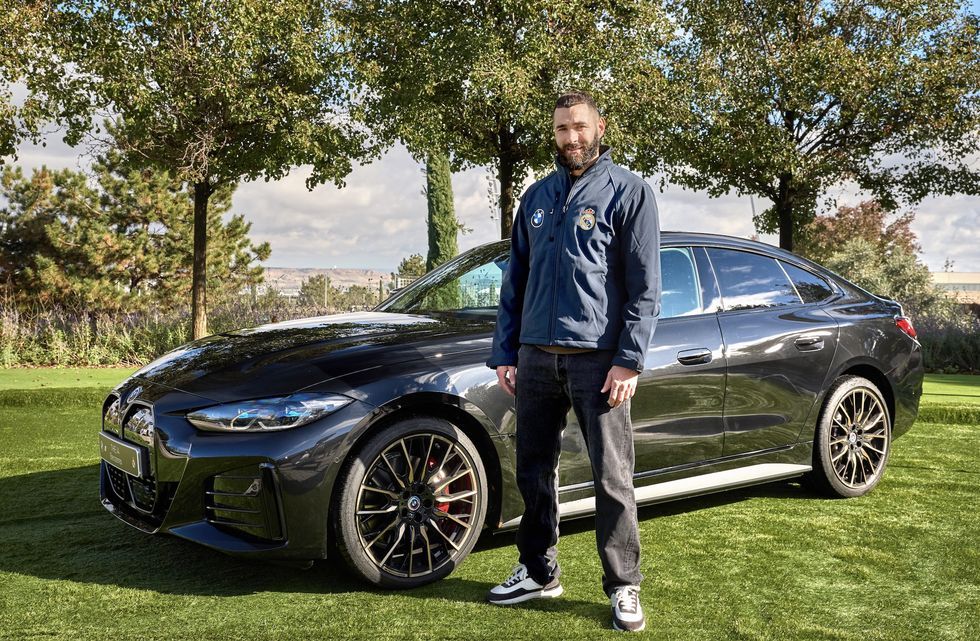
576, 97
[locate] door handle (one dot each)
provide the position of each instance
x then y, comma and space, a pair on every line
694, 356
809, 343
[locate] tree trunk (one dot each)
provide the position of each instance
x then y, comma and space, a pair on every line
442, 211
202, 192
505, 175
784, 212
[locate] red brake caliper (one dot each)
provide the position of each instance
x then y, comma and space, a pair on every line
442, 505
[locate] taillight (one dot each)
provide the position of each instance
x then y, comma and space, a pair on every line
904, 324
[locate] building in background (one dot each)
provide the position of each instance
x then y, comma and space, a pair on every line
964, 286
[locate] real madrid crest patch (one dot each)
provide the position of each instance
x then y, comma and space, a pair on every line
586, 219
537, 218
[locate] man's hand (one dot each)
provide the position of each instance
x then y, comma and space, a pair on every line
507, 377
620, 383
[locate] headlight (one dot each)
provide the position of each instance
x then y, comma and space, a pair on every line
267, 414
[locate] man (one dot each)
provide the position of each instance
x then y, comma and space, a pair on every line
578, 307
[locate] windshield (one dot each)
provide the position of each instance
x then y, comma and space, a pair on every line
467, 286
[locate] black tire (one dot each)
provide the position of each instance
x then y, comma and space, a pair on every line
852, 440
403, 526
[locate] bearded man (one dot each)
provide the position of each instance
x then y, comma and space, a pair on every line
578, 307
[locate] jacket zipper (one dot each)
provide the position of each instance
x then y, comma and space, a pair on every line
558, 248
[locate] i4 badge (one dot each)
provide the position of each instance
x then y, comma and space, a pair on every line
586, 219
537, 218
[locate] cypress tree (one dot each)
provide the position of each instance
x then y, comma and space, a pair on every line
443, 226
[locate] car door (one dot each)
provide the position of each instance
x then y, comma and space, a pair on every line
778, 350
677, 409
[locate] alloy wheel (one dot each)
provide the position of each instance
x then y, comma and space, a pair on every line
417, 505
858, 438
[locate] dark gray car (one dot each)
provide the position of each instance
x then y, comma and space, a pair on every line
382, 435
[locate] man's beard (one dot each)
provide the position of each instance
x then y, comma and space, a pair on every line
581, 157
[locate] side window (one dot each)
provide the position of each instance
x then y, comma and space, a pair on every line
751, 281
681, 295
811, 288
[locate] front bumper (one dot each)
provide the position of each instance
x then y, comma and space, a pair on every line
255, 494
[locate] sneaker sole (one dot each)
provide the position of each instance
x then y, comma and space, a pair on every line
639, 629
543, 594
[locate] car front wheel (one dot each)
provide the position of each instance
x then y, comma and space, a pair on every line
412, 504
852, 440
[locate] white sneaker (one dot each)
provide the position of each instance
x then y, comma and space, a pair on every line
520, 587
627, 615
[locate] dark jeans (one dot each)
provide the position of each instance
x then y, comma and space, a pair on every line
548, 385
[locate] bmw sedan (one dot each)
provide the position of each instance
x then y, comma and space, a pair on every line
383, 438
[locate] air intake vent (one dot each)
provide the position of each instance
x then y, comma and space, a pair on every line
117, 480
245, 501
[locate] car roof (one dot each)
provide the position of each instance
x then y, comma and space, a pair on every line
719, 240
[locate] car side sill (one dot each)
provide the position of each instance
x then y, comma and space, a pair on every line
679, 488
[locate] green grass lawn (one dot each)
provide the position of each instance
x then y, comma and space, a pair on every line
961, 388
772, 562
29, 378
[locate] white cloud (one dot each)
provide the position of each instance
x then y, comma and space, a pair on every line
379, 217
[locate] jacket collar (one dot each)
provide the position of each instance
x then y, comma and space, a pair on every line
604, 160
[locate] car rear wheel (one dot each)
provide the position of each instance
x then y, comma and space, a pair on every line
412, 504
852, 440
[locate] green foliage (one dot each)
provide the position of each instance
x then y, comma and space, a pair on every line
896, 274
950, 337
442, 222
950, 349
880, 255
824, 235
116, 243
784, 99
29, 57
60, 336
358, 297
315, 291
412, 267
215, 92
317, 296
480, 79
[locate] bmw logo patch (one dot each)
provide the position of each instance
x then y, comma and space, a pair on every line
537, 218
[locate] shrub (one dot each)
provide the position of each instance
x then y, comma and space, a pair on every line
59, 336
950, 348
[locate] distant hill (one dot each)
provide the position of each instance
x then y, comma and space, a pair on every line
288, 279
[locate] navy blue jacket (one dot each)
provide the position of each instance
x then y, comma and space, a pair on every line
584, 266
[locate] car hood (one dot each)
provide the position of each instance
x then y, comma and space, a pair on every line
282, 358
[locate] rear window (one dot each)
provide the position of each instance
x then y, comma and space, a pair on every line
811, 288
751, 281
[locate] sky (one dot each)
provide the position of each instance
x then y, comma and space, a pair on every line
379, 216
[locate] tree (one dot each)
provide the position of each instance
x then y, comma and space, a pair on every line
30, 62
479, 79
784, 99
825, 235
411, 267
115, 245
216, 92
897, 275
442, 223
315, 291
